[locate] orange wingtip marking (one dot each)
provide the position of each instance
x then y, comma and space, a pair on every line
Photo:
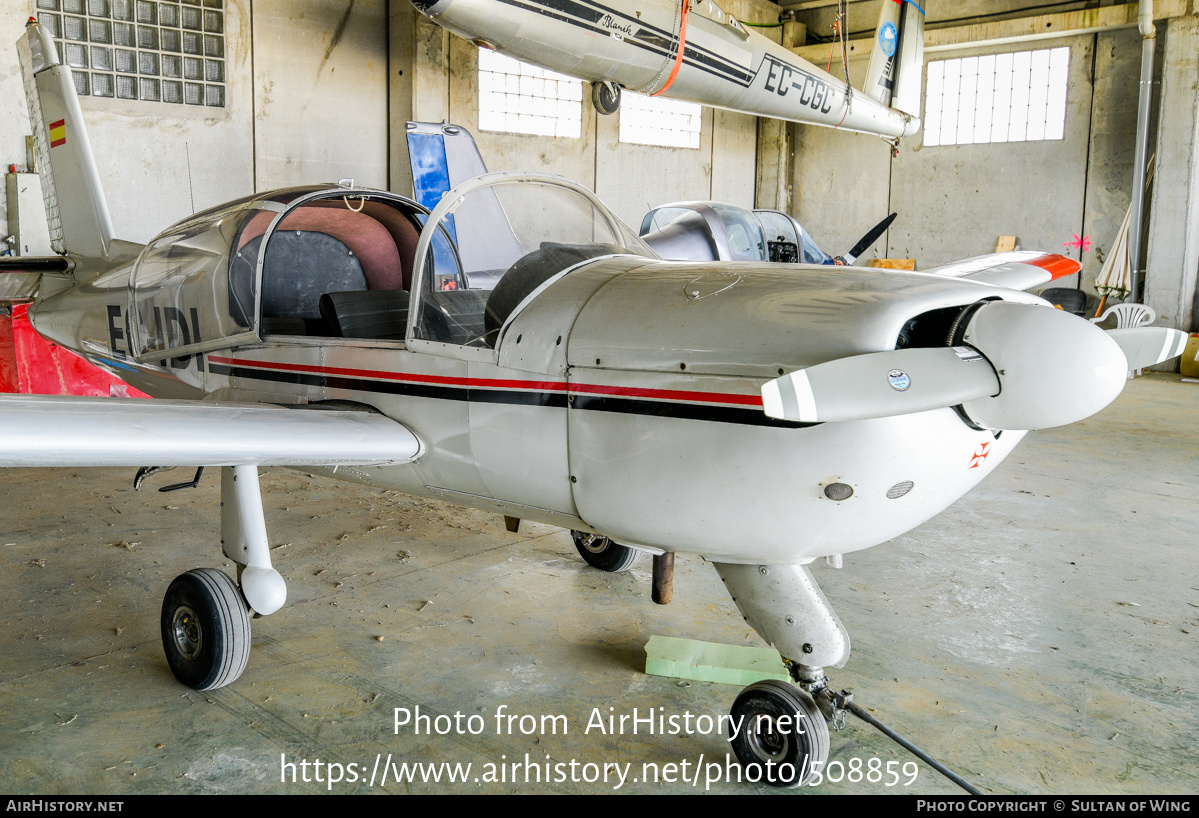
1057, 266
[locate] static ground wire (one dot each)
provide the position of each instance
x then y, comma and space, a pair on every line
907, 745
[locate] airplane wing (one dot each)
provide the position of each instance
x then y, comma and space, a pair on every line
73, 431
1020, 270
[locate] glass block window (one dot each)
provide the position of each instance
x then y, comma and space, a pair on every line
515, 97
669, 123
1018, 97
171, 51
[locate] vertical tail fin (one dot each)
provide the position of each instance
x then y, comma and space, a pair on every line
78, 218
897, 63
909, 74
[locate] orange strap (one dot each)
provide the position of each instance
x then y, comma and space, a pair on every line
678, 57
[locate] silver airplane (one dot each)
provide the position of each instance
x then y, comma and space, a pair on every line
517, 349
694, 50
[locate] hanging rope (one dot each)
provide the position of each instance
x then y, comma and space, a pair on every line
839, 25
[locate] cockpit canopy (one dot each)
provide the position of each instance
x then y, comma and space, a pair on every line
495, 240
331, 261
301, 262
713, 231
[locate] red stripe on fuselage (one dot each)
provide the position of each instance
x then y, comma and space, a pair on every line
500, 383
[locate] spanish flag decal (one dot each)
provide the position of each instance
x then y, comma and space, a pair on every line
58, 133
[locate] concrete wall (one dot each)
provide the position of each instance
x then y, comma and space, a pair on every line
863, 16
954, 201
155, 160
306, 103
1112, 144
1173, 255
320, 92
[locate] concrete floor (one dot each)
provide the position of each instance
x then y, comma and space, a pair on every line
1038, 637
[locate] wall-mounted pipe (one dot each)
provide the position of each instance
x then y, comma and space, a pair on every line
1140, 160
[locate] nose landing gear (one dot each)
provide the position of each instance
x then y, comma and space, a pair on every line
778, 733
784, 737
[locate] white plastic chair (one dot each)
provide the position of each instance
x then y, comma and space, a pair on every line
1128, 315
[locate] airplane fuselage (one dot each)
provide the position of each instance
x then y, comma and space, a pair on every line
625, 399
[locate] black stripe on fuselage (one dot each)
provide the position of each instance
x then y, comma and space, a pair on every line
593, 403
649, 38
414, 390
687, 411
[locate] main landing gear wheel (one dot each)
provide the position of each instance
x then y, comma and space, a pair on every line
605, 96
782, 736
205, 629
600, 552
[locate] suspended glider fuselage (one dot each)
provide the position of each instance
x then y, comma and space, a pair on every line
634, 44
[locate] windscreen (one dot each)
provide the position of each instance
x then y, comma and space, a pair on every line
181, 286
534, 230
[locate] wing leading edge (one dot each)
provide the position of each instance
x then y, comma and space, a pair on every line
73, 431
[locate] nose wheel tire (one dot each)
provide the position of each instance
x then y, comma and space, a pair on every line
783, 736
605, 96
600, 552
205, 629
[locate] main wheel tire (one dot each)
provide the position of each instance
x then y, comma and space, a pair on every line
605, 96
205, 629
600, 552
781, 735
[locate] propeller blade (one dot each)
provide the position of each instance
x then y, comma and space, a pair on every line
1146, 346
1026, 366
880, 384
870, 238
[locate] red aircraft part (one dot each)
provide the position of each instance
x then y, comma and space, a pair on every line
31, 365
8, 357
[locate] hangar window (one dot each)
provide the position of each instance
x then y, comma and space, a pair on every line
141, 49
515, 97
1018, 97
669, 123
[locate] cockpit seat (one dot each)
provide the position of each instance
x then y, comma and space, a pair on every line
300, 267
530, 272
363, 235
335, 245
402, 231
378, 314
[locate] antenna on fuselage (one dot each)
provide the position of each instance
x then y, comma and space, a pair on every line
191, 190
